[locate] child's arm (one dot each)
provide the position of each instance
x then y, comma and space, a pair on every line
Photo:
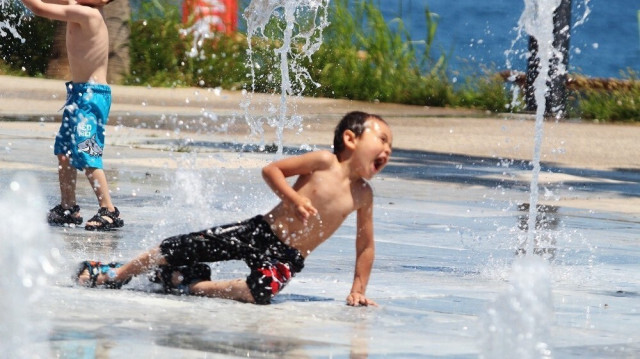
93, 2
365, 253
275, 175
59, 2
57, 11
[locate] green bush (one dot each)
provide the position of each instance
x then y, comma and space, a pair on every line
29, 55
368, 60
161, 53
157, 49
484, 91
620, 104
617, 105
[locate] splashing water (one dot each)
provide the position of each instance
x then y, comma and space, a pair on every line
7, 26
531, 6
518, 322
29, 254
537, 21
304, 22
585, 14
204, 22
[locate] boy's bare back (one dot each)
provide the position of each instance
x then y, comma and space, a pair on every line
87, 37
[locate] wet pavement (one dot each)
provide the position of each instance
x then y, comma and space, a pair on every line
448, 227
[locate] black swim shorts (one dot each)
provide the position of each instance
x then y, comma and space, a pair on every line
272, 262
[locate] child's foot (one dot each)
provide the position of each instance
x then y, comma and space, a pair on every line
61, 216
93, 274
179, 278
105, 220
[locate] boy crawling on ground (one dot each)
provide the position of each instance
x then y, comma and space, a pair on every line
329, 187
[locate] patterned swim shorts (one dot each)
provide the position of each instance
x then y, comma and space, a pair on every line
81, 134
272, 262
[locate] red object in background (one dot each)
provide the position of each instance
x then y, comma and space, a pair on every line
221, 15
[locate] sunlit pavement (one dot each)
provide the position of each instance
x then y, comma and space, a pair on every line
447, 227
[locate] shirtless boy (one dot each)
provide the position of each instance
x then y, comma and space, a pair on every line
80, 140
328, 188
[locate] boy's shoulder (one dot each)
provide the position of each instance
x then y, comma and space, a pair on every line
319, 156
325, 155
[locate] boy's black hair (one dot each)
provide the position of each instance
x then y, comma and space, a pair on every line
353, 121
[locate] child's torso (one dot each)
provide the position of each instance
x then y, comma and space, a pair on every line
334, 197
88, 49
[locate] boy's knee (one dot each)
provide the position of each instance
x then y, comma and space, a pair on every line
261, 299
265, 282
246, 294
64, 160
158, 257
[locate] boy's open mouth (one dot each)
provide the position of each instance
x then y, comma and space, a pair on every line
378, 163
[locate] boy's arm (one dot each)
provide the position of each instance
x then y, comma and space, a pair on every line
59, 2
276, 173
93, 2
365, 253
58, 11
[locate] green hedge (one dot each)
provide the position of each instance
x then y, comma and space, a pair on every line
29, 54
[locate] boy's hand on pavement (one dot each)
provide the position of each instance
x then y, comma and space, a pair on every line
357, 299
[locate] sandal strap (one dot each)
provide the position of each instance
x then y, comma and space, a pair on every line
104, 212
92, 268
59, 215
102, 219
96, 268
63, 212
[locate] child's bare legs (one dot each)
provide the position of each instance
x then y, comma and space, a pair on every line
67, 212
236, 289
67, 176
139, 265
98, 181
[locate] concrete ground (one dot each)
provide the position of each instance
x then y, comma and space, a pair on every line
583, 152
446, 218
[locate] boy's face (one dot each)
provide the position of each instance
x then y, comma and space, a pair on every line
374, 147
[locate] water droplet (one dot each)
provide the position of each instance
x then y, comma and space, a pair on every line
15, 186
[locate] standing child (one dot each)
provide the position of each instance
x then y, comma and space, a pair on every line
80, 140
328, 188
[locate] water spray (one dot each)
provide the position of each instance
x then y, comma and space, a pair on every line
300, 39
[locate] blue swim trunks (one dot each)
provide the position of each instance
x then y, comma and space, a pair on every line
81, 134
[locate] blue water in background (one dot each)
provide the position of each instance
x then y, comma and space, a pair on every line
477, 34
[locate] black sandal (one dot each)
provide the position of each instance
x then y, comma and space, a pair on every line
105, 225
60, 216
96, 268
190, 274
